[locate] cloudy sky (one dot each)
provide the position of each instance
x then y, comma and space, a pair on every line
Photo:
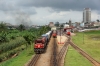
40, 12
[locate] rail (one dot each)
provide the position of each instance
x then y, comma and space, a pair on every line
34, 60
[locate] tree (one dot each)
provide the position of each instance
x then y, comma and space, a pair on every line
67, 23
61, 25
21, 27
3, 26
98, 20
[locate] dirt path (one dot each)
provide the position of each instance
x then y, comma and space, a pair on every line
44, 60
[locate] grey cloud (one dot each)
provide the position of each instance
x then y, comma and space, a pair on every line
98, 12
57, 5
20, 14
11, 7
7, 5
63, 4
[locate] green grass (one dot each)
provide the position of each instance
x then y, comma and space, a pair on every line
89, 42
6, 55
93, 32
73, 58
21, 59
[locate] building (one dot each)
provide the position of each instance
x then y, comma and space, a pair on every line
57, 24
51, 24
96, 24
87, 15
70, 23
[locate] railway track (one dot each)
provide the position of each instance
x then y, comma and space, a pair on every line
83, 53
93, 61
53, 61
61, 53
57, 57
34, 60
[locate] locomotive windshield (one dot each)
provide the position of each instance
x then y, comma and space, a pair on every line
38, 41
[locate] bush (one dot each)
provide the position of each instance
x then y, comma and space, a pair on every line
11, 45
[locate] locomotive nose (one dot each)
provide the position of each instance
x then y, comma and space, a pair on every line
38, 46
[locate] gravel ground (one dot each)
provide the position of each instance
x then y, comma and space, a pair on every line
73, 34
63, 39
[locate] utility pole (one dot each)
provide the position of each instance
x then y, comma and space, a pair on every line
60, 33
83, 33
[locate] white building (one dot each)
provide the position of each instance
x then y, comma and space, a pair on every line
87, 15
51, 24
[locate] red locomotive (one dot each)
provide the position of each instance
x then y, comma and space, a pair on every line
54, 34
68, 33
40, 44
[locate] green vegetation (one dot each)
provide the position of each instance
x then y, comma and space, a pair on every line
11, 45
21, 59
94, 32
21, 27
15, 41
6, 55
3, 26
73, 58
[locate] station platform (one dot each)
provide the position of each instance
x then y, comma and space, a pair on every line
61, 39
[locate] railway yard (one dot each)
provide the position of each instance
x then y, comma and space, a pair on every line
55, 52
49, 33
